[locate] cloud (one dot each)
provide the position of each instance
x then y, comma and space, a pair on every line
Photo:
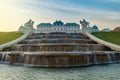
53, 10
67, 10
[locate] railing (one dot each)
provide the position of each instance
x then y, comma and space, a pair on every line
14, 41
108, 44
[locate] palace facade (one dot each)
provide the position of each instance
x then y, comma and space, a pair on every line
58, 26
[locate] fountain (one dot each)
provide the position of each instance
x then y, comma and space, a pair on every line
58, 49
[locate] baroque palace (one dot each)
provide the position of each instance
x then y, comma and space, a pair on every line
58, 26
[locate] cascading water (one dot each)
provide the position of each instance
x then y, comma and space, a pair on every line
59, 49
4, 57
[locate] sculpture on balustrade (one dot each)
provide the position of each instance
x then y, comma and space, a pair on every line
85, 26
28, 26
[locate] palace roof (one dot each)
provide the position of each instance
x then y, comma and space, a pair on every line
45, 24
58, 23
71, 24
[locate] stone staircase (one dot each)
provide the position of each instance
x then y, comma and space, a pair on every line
58, 49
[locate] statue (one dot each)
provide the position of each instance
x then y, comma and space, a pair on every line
85, 25
28, 26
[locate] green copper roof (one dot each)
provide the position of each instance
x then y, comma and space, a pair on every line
72, 24
45, 24
95, 27
58, 23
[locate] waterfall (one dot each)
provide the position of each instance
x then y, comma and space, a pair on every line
4, 57
109, 59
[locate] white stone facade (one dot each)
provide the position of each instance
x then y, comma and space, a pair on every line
58, 26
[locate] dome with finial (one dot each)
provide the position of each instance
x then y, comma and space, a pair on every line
58, 23
95, 28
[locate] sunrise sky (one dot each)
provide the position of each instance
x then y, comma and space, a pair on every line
14, 13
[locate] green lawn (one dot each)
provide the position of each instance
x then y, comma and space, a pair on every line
113, 37
9, 36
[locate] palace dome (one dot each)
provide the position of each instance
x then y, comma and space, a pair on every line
58, 23
95, 27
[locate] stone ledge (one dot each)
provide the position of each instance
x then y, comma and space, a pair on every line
14, 41
108, 44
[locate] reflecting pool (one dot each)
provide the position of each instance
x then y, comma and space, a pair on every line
99, 72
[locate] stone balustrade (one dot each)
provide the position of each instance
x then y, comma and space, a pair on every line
14, 41
108, 44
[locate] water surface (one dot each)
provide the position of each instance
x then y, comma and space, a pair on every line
99, 72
